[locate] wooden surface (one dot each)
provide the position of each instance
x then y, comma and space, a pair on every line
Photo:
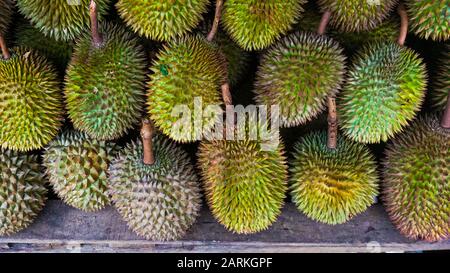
60, 228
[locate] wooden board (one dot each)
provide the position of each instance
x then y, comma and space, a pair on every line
60, 228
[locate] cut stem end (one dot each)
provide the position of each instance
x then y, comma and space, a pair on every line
215, 25
147, 142
97, 39
332, 123
5, 51
403, 25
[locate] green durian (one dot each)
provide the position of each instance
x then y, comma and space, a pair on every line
430, 19
256, 24
105, 86
160, 201
6, 12
357, 15
332, 185
441, 88
298, 73
31, 108
76, 166
245, 183
416, 187
22, 191
60, 19
186, 69
384, 90
162, 20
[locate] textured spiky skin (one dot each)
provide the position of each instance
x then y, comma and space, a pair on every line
57, 52
442, 83
162, 20
6, 11
298, 73
332, 186
245, 185
187, 68
430, 18
357, 15
384, 90
22, 191
255, 24
77, 166
416, 187
31, 107
161, 201
60, 19
105, 86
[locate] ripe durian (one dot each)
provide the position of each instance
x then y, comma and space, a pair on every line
255, 24
6, 12
77, 166
442, 83
60, 19
384, 90
357, 15
416, 187
22, 190
159, 201
187, 68
105, 87
298, 73
332, 185
430, 18
31, 108
162, 20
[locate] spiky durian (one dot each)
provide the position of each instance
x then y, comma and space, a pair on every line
159, 201
416, 187
245, 182
357, 15
298, 73
6, 11
384, 90
77, 166
162, 20
186, 69
60, 19
256, 24
332, 185
105, 85
430, 18
22, 191
31, 107
442, 83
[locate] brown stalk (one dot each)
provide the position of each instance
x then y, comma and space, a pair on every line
97, 39
215, 25
5, 50
445, 120
403, 25
147, 135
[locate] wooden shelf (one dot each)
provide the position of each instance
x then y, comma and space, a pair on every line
60, 228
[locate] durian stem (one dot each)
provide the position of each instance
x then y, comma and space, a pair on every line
5, 50
97, 39
445, 121
147, 142
324, 22
332, 123
215, 25
404, 24
226, 94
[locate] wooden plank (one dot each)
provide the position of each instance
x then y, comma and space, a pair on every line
60, 228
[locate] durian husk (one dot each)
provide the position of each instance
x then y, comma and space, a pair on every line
430, 19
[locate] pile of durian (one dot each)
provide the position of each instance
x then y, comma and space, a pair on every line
79, 79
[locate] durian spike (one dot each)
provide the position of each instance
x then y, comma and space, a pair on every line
445, 120
147, 142
5, 50
97, 39
403, 25
331, 101
215, 25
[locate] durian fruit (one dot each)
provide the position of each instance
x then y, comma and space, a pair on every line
60, 19
105, 84
298, 73
76, 166
384, 90
159, 201
186, 69
332, 185
6, 12
357, 15
162, 20
416, 187
22, 190
31, 107
255, 24
430, 19
442, 83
